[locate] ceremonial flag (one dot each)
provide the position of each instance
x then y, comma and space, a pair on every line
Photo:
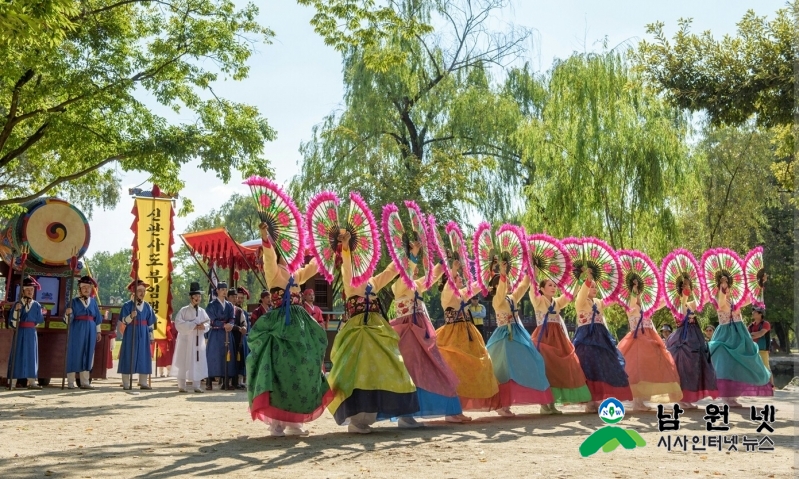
152, 245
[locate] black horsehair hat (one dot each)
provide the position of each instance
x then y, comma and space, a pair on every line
194, 288
30, 282
87, 280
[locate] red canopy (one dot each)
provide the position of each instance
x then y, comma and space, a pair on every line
217, 246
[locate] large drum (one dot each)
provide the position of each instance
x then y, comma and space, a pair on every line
54, 231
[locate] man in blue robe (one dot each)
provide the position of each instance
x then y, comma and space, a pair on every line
84, 319
27, 313
135, 356
242, 325
219, 349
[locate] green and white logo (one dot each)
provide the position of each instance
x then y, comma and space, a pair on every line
608, 438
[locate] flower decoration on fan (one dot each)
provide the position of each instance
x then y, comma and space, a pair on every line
398, 244
460, 253
681, 276
513, 249
419, 228
600, 259
548, 259
755, 275
721, 263
436, 244
365, 240
282, 218
637, 267
484, 254
323, 230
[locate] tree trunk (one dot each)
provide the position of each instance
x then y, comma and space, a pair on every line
782, 337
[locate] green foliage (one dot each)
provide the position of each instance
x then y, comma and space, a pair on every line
431, 127
73, 114
732, 79
112, 273
42, 23
733, 188
600, 155
348, 25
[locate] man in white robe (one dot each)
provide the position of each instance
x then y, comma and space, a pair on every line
189, 362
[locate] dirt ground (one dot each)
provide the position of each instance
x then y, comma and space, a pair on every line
161, 434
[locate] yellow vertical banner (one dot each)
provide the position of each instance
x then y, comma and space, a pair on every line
153, 244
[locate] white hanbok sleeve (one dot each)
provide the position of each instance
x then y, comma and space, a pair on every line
184, 322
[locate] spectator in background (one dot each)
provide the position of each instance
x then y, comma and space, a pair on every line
760, 330
709, 330
308, 298
264, 306
665, 332
478, 312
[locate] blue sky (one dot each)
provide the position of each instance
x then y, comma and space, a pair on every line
296, 81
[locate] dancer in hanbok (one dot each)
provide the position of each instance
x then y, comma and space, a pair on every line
285, 385
690, 352
602, 362
189, 362
463, 349
649, 366
566, 377
739, 368
436, 384
369, 379
518, 366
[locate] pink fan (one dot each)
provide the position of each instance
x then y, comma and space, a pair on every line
483, 255
548, 259
365, 242
723, 263
511, 245
755, 275
681, 274
396, 239
437, 244
459, 246
420, 229
603, 262
323, 229
637, 267
282, 218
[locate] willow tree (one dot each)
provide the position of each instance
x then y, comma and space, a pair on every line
601, 156
431, 127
